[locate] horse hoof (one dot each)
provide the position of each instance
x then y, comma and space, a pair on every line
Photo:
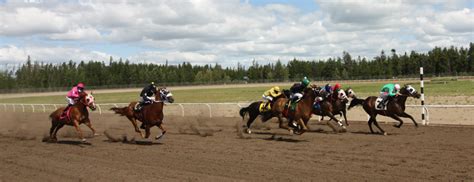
83, 140
159, 136
385, 133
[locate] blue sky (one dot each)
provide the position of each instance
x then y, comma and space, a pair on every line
227, 32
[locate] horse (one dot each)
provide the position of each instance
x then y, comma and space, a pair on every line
150, 115
395, 107
303, 110
277, 108
336, 104
339, 102
78, 114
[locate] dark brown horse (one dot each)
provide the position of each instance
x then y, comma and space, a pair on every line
339, 102
78, 114
150, 115
303, 110
395, 107
332, 106
253, 111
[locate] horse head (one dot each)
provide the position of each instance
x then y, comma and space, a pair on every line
341, 95
350, 93
166, 95
410, 91
88, 100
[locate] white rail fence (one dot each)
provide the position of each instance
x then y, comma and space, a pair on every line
215, 109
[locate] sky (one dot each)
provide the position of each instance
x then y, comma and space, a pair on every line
227, 31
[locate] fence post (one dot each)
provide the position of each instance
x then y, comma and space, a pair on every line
33, 107
5, 107
44, 108
23, 107
13, 106
210, 110
55, 106
182, 109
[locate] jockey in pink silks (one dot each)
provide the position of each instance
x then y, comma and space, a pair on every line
73, 96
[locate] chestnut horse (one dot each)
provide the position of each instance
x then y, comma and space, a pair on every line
78, 114
395, 107
150, 115
303, 110
253, 110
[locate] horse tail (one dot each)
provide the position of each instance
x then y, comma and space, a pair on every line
243, 111
120, 110
355, 102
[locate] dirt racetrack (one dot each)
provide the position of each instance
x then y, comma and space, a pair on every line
205, 149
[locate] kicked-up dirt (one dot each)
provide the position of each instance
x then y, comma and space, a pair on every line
213, 149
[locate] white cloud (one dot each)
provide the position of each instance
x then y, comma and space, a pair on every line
30, 20
208, 31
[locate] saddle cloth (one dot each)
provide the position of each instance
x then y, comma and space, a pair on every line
377, 102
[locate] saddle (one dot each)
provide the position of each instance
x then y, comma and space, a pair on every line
66, 115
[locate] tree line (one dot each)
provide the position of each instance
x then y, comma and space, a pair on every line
439, 61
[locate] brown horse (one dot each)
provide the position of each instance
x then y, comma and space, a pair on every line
78, 114
150, 115
339, 101
253, 110
303, 110
395, 107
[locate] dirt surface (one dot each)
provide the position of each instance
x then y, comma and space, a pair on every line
203, 149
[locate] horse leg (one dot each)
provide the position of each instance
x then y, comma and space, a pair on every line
59, 126
135, 125
404, 114
371, 120
163, 131
252, 117
147, 131
345, 117
377, 125
330, 115
89, 124
301, 122
54, 125
398, 119
78, 130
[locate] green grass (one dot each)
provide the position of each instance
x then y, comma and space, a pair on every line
445, 88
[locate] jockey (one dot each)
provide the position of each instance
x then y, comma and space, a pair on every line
73, 96
326, 91
387, 92
271, 94
146, 95
297, 90
336, 89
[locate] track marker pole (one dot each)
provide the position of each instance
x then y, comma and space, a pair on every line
422, 85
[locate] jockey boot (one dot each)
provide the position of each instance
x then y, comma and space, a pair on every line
138, 107
267, 106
